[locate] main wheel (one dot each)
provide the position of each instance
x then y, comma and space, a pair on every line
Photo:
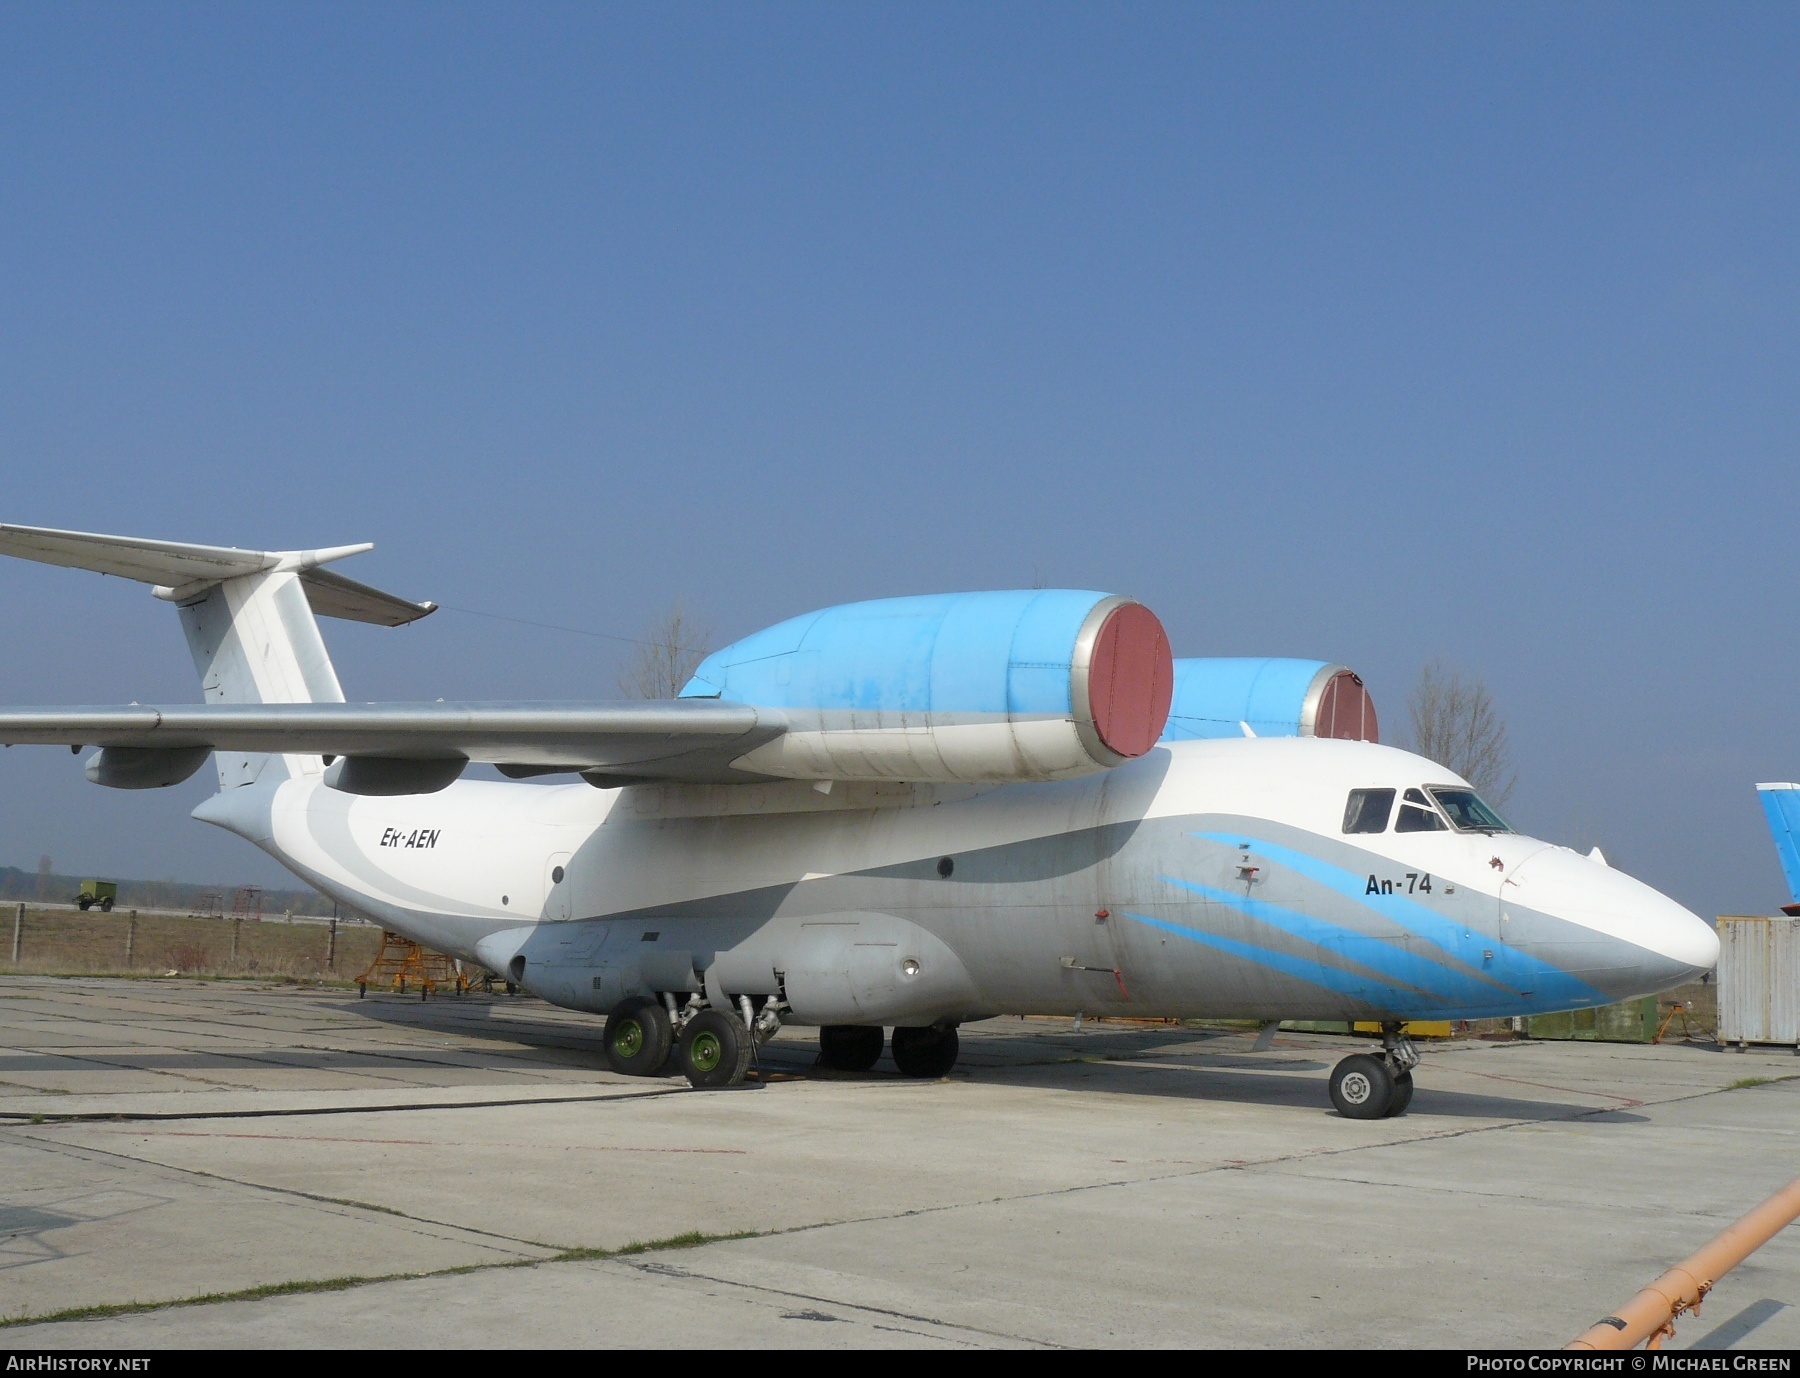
1403, 1089
1362, 1088
849, 1047
85, 904
924, 1052
106, 905
637, 1037
715, 1049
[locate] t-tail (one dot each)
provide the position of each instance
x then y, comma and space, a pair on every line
250, 621
1781, 804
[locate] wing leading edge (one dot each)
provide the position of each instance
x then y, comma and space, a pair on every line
679, 740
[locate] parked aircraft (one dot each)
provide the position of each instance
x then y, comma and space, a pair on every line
896, 815
1781, 806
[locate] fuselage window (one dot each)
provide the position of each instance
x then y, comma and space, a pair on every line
1368, 810
1468, 811
1417, 815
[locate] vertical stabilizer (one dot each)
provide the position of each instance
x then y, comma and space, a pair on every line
254, 640
1781, 804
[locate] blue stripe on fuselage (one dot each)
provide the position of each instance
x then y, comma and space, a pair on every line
1542, 985
1414, 969
1395, 998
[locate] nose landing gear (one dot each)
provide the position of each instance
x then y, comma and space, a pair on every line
1366, 1087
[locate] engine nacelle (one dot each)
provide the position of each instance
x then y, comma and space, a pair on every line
1037, 684
144, 767
1218, 697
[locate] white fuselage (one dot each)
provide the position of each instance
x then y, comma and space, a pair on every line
1021, 892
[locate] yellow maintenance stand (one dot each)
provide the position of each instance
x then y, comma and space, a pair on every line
402, 962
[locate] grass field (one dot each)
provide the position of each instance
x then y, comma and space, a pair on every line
64, 942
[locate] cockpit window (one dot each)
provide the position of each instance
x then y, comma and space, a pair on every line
1467, 810
1417, 815
1368, 810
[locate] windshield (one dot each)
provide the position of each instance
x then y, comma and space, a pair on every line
1417, 815
1467, 810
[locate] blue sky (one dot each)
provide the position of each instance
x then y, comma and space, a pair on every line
1371, 332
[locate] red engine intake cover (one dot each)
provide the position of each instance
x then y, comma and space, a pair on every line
1131, 680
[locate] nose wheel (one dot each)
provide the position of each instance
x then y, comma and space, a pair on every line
1365, 1086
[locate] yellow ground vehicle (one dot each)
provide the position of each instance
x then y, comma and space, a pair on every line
100, 892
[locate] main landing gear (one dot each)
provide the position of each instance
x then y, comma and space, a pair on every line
714, 1049
928, 1052
711, 1046
1367, 1087
638, 1037
715, 1045
849, 1047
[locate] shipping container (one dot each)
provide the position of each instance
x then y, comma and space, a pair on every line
1759, 980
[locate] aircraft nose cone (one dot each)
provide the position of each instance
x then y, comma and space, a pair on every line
1619, 935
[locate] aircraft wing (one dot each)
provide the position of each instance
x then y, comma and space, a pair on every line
693, 740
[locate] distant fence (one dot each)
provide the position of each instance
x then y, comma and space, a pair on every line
143, 895
60, 941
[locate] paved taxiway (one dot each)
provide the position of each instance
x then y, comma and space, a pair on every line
1136, 1186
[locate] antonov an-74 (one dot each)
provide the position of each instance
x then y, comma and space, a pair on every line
902, 815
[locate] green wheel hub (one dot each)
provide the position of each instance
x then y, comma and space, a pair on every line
706, 1052
628, 1042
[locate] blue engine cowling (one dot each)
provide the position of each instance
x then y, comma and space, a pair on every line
1273, 697
1034, 684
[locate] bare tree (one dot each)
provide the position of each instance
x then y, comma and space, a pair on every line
664, 660
1455, 724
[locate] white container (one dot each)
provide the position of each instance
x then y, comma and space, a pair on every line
1759, 980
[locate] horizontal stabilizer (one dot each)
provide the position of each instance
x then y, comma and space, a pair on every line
332, 595
182, 572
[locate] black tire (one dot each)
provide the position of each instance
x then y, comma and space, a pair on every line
1403, 1089
1362, 1087
637, 1037
106, 905
715, 1050
925, 1052
849, 1047
85, 905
